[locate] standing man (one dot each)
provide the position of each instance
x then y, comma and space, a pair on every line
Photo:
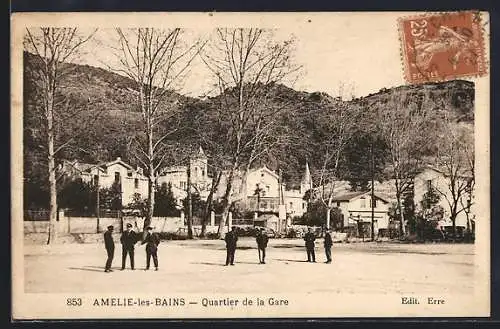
110, 248
128, 240
262, 240
231, 238
309, 238
328, 246
152, 241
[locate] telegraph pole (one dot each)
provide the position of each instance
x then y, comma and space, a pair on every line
372, 167
97, 206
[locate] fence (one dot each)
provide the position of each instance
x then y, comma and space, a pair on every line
36, 215
104, 213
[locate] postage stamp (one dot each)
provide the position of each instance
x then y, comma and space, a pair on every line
444, 46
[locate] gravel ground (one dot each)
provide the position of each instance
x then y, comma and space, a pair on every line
197, 266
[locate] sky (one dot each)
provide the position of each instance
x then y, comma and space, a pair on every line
356, 50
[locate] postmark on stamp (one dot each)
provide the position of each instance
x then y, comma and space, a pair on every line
444, 46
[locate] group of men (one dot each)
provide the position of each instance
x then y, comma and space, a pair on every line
262, 240
129, 238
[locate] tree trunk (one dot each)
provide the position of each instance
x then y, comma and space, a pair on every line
328, 216
454, 225
402, 229
52, 236
226, 202
208, 205
151, 183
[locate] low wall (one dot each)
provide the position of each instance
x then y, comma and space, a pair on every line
88, 225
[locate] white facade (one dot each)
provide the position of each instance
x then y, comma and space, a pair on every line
131, 181
431, 177
356, 206
262, 191
177, 177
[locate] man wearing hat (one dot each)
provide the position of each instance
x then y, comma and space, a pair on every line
262, 240
110, 248
309, 238
328, 245
152, 241
128, 240
231, 238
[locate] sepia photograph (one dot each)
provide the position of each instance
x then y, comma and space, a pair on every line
222, 165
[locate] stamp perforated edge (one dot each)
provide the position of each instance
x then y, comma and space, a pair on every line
403, 55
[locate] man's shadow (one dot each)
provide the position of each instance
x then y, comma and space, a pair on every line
207, 263
292, 260
92, 268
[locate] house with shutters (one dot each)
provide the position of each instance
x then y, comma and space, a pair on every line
177, 176
356, 210
262, 191
127, 179
433, 178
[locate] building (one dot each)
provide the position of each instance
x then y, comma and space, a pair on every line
355, 209
432, 178
129, 180
262, 191
177, 177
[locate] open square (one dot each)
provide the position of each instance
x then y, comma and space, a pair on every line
196, 266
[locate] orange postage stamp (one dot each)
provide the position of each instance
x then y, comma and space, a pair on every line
442, 46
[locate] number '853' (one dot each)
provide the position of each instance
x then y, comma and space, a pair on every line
74, 302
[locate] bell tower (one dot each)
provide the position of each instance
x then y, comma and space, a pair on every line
199, 166
306, 183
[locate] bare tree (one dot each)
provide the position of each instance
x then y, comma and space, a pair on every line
244, 62
455, 159
53, 48
157, 61
339, 119
402, 124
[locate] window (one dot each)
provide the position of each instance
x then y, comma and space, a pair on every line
136, 183
117, 177
96, 179
429, 184
262, 175
291, 205
183, 185
363, 203
203, 173
338, 204
129, 173
267, 188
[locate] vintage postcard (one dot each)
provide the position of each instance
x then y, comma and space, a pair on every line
250, 165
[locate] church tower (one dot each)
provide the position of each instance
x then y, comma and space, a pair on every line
306, 183
199, 166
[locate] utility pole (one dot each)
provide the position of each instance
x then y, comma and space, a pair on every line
372, 167
97, 206
189, 201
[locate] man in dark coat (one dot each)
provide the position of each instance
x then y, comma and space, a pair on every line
110, 248
152, 240
328, 246
231, 239
309, 238
262, 240
128, 240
